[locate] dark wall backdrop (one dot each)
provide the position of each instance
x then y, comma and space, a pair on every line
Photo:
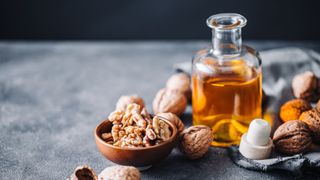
150, 19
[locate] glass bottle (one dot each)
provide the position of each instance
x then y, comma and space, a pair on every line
226, 82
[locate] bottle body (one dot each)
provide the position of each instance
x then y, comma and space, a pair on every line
226, 82
226, 93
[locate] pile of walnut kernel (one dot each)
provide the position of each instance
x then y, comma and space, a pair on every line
134, 127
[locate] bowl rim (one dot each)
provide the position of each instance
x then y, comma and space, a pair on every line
173, 137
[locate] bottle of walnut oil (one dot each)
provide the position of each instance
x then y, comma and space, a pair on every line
226, 82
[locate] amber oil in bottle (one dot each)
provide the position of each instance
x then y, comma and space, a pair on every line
226, 82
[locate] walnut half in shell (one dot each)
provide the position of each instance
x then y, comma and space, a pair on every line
83, 173
113, 172
174, 119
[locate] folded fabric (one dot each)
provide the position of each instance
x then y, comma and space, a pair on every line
279, 66
295, 164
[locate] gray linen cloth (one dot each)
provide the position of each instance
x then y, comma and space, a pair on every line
279, 66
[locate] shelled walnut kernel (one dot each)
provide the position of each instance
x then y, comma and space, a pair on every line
134, 127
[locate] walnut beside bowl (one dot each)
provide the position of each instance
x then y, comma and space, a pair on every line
141, 157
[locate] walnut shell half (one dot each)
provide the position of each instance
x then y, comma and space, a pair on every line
174, 119
169, 101
292, 137
195, 141
312, 119
83, 172
292, 110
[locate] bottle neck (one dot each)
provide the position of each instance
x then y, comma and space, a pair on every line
226, 42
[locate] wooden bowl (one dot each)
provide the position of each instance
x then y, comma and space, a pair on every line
138, 157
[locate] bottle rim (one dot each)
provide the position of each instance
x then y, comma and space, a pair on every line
226, 21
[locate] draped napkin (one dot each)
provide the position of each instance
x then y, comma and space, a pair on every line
279, 66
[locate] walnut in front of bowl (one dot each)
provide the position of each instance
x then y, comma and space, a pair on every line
113, 172
292, 109
195, 141
120, 172
292, 137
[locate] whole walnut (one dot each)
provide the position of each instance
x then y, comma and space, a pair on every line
83, 172
120, 172
195, 141
124, 101
169, 101
180, 82
312, 119
292, 137
304, 86
292, 109
174, 119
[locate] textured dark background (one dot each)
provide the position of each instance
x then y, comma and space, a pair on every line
147, 19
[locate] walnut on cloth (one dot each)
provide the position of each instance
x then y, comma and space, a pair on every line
312, 119
306, 86
292, 137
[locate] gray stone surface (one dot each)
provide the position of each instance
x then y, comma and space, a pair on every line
53, 94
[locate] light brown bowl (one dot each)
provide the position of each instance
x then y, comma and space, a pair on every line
140, 156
